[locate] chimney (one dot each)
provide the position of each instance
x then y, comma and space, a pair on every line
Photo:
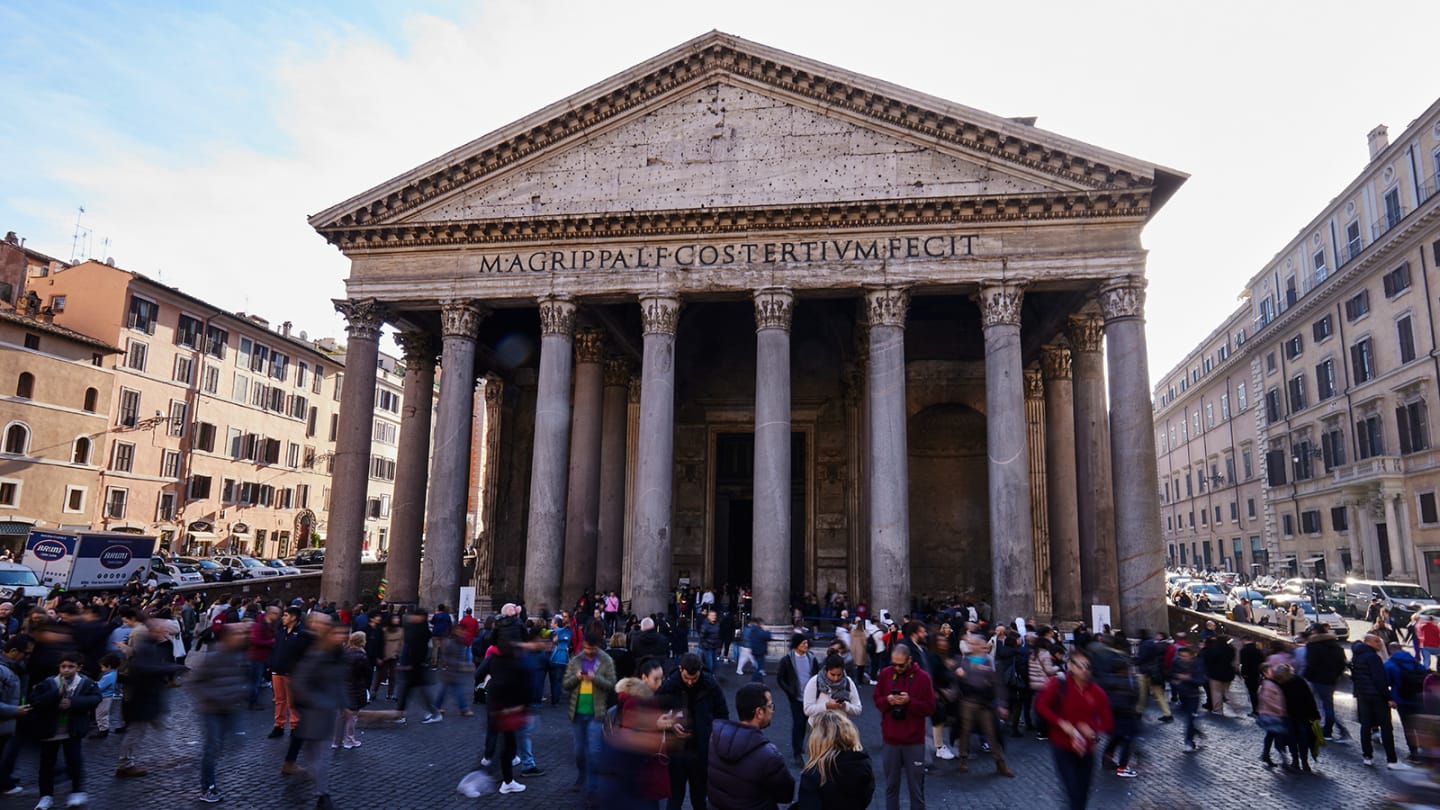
1379, 140
285, 328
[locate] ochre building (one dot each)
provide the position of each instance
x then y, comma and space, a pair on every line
745, 317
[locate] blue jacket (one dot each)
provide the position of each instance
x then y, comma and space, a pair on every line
1394, 676
1368, 673
757, 639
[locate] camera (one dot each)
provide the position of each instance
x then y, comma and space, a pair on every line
898, 712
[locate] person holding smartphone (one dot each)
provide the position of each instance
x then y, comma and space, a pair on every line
905, 697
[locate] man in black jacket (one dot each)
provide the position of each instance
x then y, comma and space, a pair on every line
1324, 664
796, 670
650, 643
1372, 698
694, 692
747, 770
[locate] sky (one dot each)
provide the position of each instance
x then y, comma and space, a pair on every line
199, 136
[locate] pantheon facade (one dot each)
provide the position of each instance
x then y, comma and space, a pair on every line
744, 317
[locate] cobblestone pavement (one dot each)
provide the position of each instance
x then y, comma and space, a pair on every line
418, 766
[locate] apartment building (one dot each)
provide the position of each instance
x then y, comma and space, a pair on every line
217, 435
55, 390
1299, 437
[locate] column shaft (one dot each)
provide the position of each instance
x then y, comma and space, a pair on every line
1039, 509
1060, 488
654, 477
550, 465
1139, 549
610, 543
582, 506
770, 570
345, 525
407, 511
889, 473
1012, 565
450, 456
1095, 506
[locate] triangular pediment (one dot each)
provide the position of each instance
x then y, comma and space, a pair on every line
723, 123
727, 145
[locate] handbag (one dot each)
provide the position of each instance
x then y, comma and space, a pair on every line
1272, 723
511, 718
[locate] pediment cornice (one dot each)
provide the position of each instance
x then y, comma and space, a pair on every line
868, 214
1003, 141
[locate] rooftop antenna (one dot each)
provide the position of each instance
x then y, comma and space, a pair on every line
79, 248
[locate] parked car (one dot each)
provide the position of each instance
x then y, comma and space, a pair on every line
284, 568
210, 571
309, 557
245, 567
1243, 594
18, 580
1276, 607
1211, 591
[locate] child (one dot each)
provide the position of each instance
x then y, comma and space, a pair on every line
62, 707
109, 691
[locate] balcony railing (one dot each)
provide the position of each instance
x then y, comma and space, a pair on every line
1367, 469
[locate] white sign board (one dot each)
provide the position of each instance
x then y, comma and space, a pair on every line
467, 600
1020, 626
1099, 617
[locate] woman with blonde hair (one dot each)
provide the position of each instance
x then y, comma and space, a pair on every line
837, 773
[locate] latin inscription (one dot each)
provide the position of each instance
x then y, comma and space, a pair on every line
820, 251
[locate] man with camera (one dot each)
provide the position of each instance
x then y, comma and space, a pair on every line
906, 698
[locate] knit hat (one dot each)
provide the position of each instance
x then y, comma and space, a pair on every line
797, 639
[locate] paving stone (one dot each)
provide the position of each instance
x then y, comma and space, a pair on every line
419, 766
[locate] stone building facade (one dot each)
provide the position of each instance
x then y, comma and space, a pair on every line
1300, 432
220, 429
745, 317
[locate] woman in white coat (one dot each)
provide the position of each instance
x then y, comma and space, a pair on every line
831, 690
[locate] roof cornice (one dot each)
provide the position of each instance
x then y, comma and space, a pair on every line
695, 62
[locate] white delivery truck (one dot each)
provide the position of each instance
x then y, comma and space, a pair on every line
87, 560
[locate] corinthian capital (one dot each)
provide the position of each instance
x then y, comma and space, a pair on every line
589, 345
1123, 298
1055, 362
461, 317
617, 371
557, 315
418, 347
773, 308
887, 306
1034, 384
659, 313
363, 317
1000, 304
1084, 333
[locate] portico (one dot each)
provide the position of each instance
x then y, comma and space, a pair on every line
828, 291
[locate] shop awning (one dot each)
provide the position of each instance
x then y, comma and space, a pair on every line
15, 527
203, 537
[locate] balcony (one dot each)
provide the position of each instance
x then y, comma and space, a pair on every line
1367, 470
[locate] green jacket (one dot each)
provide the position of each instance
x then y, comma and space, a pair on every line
603, 683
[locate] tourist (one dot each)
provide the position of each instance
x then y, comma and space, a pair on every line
696, 698
1187, 675
905, 698
1324, 665
148, 672
291, 639
709, 637
507, 698
590, 681
1252, 661
754, 647
257, 652
357, 678
218, 684
1042, 669
1406, 678
746, 771
636, 737
1271, 716
319, 685
457, 672
980, 698
1218, 658
1110, 667
12, 707
1372, 698
1301, 714
414, 666
831, 690
837, 773
1076, 711
559, 657
796, 670
63, 708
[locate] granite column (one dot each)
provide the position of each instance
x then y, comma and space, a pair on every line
549, 466
1012, 564
1095, 505
770, 568
610, 542
582, 504
345, 526
1060, 488
450, 456
412, 456
1139, 550
655, 476
889, 473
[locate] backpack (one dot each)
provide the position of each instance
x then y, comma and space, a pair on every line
1412, 681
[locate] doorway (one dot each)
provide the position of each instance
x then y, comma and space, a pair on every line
733, 553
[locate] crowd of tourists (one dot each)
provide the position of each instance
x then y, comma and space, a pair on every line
650, 721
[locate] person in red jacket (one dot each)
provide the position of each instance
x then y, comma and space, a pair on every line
906, 698
262, 643
1076, 711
